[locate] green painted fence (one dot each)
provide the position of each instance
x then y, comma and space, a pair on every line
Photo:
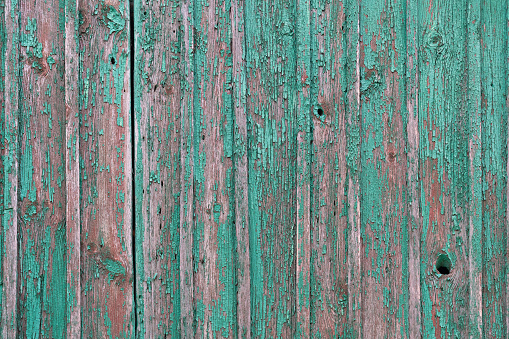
254, 168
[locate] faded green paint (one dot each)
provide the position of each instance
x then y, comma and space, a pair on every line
284, 168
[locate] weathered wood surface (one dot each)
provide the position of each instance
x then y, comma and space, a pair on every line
254, 169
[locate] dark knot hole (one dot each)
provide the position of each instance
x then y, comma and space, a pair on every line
112, 60
443, 264
320, 111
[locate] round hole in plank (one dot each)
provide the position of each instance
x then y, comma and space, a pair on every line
320, 111
443, 264
112, 60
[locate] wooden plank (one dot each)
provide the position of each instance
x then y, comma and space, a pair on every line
507, 186
384, 234
187, 174
353, 156
214, 199
72, 170
444, 168
413, 180
475, 212
329, 217
42, 187
272, 152
243, 263
303, 197
157, 111
493, 35
9, 36
106, 171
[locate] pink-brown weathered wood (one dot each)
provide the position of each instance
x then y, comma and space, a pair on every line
329, 218
353, 126
10, 169
106, 170
187, 175
384, 165
214, 204
157, 142
41, 197
243, 263
413, 181
72, 169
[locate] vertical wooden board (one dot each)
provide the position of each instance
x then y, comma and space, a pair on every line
444, 171
42, 188
9, 110
413, 180
384, 234
507, 176
214, 198
72, 177
157, 191
187, 173
3, 228
272, 152
242, 263
329, 279
304, 139
475, 211
105, 173
494, 159
353, 157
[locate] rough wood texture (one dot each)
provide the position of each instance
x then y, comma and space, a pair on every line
11, 77
414, 222
260, 169
106, 171
214, 206
157, 112
272, 163
72, 169
329, 232
42, 186
444, 168
384, 264
241, 221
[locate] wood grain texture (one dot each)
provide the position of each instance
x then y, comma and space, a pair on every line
187, 217
304, 139
414, 224
384, 235
42, 186
106, 171
157, 112
214, 198
243, 256
260, 169
444, 169
72, 170
476, 169
11, 72
329, 206
493, 35
272, 160
353, 158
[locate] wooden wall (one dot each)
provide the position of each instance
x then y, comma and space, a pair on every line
253, 169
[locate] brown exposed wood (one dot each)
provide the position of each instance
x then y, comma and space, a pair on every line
241, 172
214, 208
329, 285
253, 169
187, 176
42, 185
72, 166
106, 172
157, 116
10, 167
